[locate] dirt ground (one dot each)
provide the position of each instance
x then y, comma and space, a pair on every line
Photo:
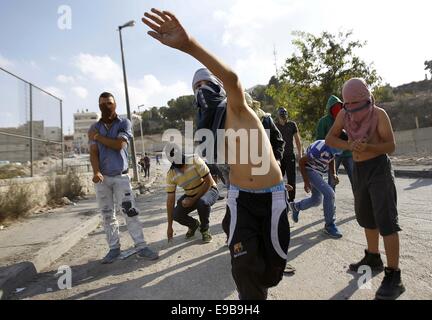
193, 270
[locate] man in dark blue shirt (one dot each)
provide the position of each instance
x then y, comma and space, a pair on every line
109, 139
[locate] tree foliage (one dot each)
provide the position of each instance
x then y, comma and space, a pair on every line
428, 66
179, 110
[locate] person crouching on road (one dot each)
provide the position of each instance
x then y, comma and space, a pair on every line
201, 193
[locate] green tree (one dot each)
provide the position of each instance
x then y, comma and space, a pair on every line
428, 66
259, 93
384, 94
179, 110
316, 71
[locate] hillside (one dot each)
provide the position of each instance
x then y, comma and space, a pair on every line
410, 101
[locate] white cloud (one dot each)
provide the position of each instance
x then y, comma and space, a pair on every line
101, 68
256, 68
55, 91
65, 79
106, 73
150, 91
5, 63
251, 29
248, 22
80, 92
34, 65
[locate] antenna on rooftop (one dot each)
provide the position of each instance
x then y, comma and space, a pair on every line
275, 61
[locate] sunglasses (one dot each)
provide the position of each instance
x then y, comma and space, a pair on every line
366, 105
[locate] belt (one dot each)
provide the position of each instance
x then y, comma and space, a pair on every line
124, 172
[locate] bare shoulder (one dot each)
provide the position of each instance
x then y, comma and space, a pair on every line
381, 112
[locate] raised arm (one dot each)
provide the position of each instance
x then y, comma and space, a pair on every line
167, 29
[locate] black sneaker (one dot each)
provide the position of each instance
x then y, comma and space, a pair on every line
391, 286
373, 260
206, 236
191, 231
111, 256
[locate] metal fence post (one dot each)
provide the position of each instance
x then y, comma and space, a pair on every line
31, 130
61, 130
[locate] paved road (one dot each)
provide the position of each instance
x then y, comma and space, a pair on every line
192, 270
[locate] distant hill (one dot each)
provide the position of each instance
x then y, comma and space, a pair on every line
410, 101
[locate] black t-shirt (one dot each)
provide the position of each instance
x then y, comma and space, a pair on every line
288, 131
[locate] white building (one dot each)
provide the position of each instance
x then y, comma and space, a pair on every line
82, 122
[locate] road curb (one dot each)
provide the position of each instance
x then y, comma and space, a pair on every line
425, 174
12, 277
15, 276
400, 173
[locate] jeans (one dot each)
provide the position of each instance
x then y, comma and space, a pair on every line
320, 188
348, 165
203, 206
115, 195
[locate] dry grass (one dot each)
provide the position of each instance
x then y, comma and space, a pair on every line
16, 202
20, 199
65, 186
12, 171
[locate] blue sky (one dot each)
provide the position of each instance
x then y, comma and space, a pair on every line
79, 63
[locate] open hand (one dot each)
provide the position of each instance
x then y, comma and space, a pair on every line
166, 29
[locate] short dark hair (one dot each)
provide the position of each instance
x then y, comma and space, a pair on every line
106, 95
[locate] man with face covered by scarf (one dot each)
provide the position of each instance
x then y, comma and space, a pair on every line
371, 139
259, 231
211, 102
109, 139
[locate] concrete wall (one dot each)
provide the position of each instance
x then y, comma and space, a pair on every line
414, 141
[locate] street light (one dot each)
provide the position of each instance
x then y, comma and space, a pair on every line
141, 128
142, 132
134, 162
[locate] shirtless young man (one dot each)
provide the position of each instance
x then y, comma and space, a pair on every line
371, 139
259, 229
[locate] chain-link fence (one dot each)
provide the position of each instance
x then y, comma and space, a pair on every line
31, 129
